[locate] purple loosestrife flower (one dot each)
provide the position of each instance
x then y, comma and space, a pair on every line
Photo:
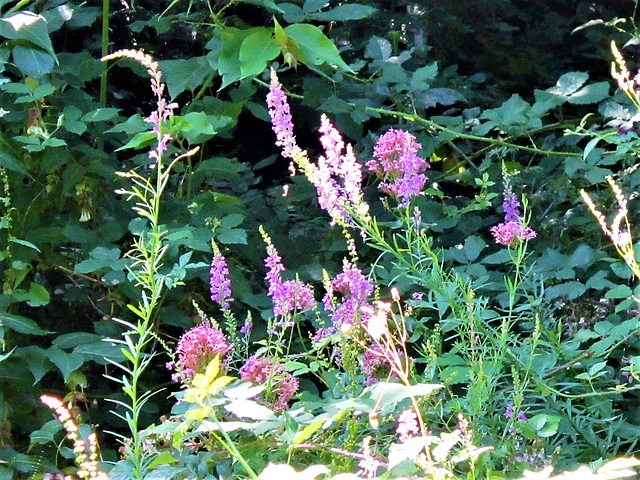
512, 231
376, 366
397, 163
286, 295
280, 114
196, 349
219, 281
355, 289
281, 385
338, 178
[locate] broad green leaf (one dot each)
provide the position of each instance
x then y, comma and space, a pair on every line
421, 77
315, 47
66, 362
20, 324
99, 258
100, 114
184, 74
195, 127
232, 236
10, 162
256, 51
473, 245
569, 83
140, 140
229, 60
27, 26
32, 62
24, 243
311, 6
593, 93
37, 295
36, 360
345, 13
71, 120
162, 459
133, 124
620, 291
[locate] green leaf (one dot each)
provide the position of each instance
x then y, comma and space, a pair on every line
594, 93
37, 295
10, 162
315, 47
620, 291
140, 140
184, 74
229, 59
195, 127
37, 361
233, 236
569, 83
306, 432
345, 13
27, 26
99, 258
100, 115
21, 324
421, 77
32, 62
66, 362
162, 459
133, 124
256, 51
311, 6
473, 245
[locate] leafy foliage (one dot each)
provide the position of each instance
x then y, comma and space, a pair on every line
496, 94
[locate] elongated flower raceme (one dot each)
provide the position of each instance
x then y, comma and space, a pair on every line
355, 289
86, 458
287, 295
337, 176
513, 229
397, 163
219, 281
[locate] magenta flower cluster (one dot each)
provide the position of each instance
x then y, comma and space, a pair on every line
356, 289
281, 386
196, 349
280, 114
512, 231
375, 365
286, 295
219, 281
397, 163
338, 176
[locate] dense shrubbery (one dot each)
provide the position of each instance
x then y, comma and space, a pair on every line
506, 337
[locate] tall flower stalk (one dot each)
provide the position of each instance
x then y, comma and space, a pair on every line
146, 253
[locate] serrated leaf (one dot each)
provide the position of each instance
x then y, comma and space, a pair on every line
233, 236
